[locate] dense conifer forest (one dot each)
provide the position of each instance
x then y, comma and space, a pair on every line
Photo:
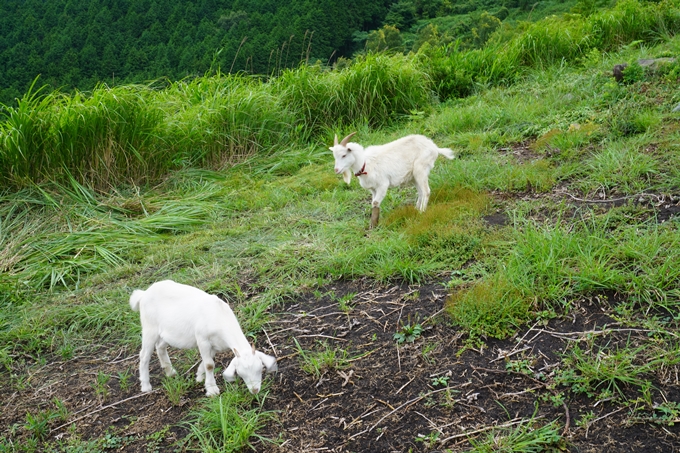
77, 44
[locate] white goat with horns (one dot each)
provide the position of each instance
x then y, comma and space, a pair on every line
185, 317
380, 167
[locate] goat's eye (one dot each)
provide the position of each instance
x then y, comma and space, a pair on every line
344, 155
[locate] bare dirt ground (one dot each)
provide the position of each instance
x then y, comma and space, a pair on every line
385, 398
392, 398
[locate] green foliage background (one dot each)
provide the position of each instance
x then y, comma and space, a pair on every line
77, 44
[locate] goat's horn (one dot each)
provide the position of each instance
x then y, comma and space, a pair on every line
346, 139
236, 352
336, 140
253, 345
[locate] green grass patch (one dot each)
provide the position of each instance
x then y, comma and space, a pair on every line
230, 421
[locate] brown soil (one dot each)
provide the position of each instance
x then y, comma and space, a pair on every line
386, 398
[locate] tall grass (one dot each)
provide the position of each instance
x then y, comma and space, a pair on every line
214, 121
375, 90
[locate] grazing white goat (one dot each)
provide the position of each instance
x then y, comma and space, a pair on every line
407, 159
185, 317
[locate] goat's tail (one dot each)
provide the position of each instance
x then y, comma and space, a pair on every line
135, 299
446, 152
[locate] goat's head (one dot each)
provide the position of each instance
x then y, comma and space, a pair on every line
249, 366
344, 157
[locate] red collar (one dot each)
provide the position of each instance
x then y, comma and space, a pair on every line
361, 172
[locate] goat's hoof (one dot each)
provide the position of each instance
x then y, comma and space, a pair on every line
212, 391
146, 388
171, 373
200, 377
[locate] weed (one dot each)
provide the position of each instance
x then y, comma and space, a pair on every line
426, 352
519, 366
124, 379
154, 440
604, 372
38, 425
524, 437
344, 302
176, 387
317, 363
440, 380
584, 421
408, 332
101, 388
227, 423
429, 440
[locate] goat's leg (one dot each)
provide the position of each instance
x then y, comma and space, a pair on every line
375, 216
148, 342
421, 176
200, 372
205, 348
378, 196
162, 352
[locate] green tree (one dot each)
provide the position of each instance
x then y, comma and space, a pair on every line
384, 39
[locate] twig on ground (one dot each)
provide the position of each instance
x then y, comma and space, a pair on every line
542, 384
481, 430
270, 342
601, 418
406, 404
404, 386
511, 353
139, 395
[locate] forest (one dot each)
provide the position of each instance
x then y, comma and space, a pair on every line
77, 44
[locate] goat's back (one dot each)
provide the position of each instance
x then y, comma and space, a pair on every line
181, 313
406, 149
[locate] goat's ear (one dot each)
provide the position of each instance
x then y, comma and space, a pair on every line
230, 373
347, 176
235, 351
268, 361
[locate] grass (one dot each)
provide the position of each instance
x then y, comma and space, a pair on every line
228, 422
317, 363
244, 203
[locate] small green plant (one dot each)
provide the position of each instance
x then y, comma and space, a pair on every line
100, 385
604, 372
446, 398
519, 366
585, 420
429, 440
154, 440
556, 399
124, 379
38, 425
317, 363
440, 380
427, 351
344, 302
408, 332
667, 413
176, 387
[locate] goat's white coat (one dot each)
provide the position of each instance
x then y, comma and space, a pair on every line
402, 161
173, 314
